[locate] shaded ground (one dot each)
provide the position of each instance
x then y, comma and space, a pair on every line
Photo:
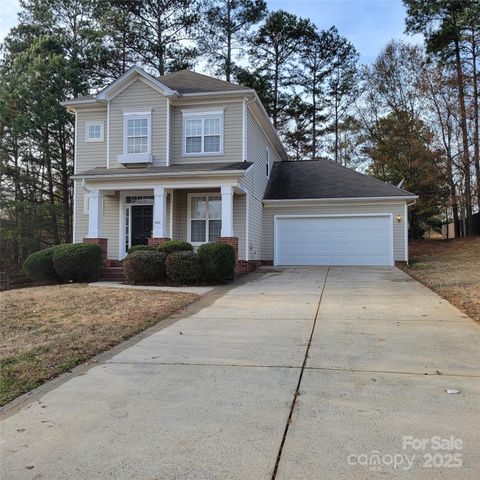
451, 268
48, 330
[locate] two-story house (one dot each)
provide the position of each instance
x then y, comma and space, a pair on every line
190, 157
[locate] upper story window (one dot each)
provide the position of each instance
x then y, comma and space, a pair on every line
202, 133
94, 131
137, 134
137, 138
267, 162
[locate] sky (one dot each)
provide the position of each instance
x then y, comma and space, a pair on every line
368, 24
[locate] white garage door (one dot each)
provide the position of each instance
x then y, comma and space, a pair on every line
334, 240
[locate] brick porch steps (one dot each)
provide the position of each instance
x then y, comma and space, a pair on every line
113, 274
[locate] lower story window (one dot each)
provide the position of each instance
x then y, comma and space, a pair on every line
205, 218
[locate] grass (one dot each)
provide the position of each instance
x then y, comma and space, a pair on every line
450, 268
45, 331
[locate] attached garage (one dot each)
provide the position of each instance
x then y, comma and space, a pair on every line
334, 240
320, 213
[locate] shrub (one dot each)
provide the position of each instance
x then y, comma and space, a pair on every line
217, 261
136, 248
183, 268
145, 266
78, 262
175, 246
39, 266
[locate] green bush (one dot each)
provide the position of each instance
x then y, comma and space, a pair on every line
175, 246
136, 248
217, 261
78, 262
145, 266
183, 268
39, 266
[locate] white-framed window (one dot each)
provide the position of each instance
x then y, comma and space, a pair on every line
94, 131
137, 133
267, 162
205, 217
202, 133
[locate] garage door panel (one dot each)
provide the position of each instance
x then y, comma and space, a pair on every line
334, 240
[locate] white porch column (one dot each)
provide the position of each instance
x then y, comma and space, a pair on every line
94, 214
159, 212
227, 211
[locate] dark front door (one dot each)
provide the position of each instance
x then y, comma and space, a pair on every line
142, 224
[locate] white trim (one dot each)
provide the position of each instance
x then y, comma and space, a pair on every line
75, 146
152, 175
74, 217
170, 192
244, 130
167, 143
405, 221
139, 113
108, 134
189, 214
95, 123
247, 226
310, 201
202, 112
202, 115
331, 215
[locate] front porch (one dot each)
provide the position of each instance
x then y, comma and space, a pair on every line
118, 219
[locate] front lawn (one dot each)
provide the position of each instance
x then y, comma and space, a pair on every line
45, 331
450, 268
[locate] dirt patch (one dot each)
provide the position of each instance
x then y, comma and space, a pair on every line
47, 330
450, 268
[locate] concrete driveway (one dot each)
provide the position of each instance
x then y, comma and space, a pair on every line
298, 373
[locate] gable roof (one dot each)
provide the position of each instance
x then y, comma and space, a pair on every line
187, 81
325, 179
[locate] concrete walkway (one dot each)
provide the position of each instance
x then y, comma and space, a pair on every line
296, 374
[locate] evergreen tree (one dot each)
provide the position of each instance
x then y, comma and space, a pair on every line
226, 26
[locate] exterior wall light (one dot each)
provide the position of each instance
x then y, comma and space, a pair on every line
399, 218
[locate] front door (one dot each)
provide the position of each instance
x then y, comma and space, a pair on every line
142, 224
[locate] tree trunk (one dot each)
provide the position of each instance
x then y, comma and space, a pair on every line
476, 119
228, 63
314, 116
275, 90
466, 154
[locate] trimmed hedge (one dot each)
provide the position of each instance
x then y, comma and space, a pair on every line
137, 248
78, 262
145, 266
217, 261
183, 268
39, 266
175, 246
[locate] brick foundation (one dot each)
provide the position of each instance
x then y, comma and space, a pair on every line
103, 242
155, 241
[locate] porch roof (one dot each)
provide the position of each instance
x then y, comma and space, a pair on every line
215, 168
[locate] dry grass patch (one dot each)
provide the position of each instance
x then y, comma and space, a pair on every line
48, 330
451, 268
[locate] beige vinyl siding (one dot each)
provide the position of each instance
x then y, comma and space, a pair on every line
395, 209
239, 223
110, 219
232, 132
90, 154
138, 97
255, 182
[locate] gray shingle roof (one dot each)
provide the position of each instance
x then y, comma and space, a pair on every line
179, 168
186, 81
324, 179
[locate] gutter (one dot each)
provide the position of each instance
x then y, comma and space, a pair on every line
314, 201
